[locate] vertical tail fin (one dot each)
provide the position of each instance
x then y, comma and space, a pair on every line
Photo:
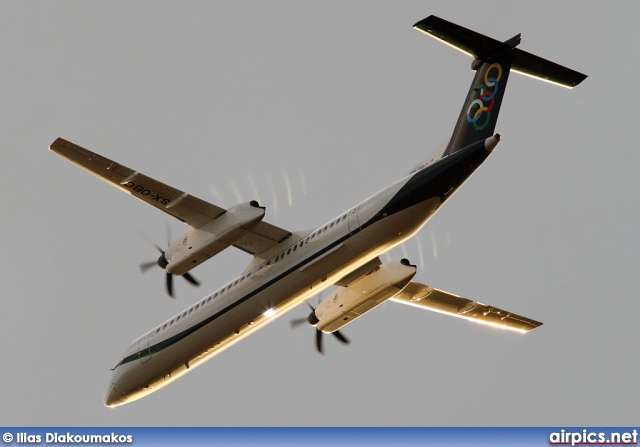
477, 120
493, 62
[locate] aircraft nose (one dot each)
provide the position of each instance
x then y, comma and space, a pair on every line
113, 398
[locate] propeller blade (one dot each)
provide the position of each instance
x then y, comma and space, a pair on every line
147, 265
167, 229
146, 236
341, 337
162, 262
313, 320
297, 322
310, 306
170, 284
319, 341
191, 279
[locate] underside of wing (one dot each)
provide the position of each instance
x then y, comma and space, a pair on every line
197, 213
261, 238
427, 297
187, 208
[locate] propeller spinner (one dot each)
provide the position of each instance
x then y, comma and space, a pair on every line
312, 319
162, 263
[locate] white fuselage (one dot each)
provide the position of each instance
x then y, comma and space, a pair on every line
297, 269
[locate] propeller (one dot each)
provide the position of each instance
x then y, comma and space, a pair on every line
162, 263
313, 321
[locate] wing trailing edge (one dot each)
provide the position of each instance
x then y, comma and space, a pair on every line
430, 298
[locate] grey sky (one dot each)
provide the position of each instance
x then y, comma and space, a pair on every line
341, 98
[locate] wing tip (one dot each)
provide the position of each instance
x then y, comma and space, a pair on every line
57, 141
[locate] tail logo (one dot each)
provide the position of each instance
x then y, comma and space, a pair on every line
479, 111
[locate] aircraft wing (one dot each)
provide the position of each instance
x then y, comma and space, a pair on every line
261, 237
179, 204
427, 297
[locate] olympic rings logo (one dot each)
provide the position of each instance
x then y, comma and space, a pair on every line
479, 111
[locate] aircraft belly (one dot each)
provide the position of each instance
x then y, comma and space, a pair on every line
288, 291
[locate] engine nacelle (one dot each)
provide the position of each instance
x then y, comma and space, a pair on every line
200, 244
362, 295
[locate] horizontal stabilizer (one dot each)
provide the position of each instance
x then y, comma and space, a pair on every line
484, 48
465, 40
531, 65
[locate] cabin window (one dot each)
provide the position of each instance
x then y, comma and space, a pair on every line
197, 305
171, 323
157, 330
289, 252
191, 310
295, 247
178, 319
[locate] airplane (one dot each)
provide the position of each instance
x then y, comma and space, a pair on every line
288, 268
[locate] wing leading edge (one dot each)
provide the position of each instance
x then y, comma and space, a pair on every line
430, 298
189, 209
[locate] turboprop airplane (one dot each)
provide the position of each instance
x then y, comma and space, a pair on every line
288, 267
